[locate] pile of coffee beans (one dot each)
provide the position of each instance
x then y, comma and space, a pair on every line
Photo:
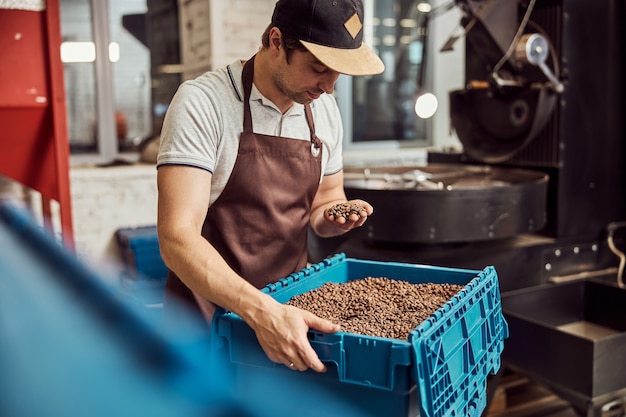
376, 306
345, 210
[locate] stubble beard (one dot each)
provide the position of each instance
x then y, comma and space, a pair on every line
298, 97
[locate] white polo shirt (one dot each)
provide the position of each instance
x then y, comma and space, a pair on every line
204, 122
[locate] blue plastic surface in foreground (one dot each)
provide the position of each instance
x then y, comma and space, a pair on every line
71, 346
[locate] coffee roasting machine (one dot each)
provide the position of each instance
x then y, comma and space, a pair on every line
539, 190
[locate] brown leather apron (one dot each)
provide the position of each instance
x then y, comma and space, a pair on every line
259, 223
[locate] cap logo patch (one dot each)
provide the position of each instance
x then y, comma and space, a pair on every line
353, 25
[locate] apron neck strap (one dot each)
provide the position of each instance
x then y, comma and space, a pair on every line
247, 78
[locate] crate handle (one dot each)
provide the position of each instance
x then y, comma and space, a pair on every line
327, 351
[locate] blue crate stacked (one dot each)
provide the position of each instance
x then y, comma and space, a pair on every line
145, 272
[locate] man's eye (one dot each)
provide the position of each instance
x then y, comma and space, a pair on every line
320, 70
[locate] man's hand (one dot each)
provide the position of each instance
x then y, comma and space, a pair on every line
331, 213
282, 333
350, 214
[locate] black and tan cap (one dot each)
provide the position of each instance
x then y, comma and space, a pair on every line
332, 30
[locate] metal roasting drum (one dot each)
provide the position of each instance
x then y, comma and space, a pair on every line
445, 203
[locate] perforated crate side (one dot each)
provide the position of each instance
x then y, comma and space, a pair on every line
459, 348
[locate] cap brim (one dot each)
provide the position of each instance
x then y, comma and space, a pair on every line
359, 61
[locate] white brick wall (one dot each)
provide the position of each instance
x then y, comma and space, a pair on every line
233, 27
107, 199
244, 22
103, 201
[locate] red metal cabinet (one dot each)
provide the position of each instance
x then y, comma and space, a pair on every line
34, 144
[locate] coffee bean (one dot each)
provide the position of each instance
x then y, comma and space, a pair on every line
345, 209
376, 306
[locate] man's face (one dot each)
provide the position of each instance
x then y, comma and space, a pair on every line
304, 78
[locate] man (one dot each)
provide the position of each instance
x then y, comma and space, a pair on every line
250, 157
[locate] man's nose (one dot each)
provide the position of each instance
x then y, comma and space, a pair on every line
327, 84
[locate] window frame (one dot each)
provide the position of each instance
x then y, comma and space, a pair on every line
344, 96
107, 149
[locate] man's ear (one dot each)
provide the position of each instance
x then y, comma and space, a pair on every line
276, 39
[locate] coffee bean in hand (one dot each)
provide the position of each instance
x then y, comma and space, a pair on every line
345, 210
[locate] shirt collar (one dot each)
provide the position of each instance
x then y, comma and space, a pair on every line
235, 71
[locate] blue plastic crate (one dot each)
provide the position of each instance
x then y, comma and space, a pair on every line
441, 370
141, 252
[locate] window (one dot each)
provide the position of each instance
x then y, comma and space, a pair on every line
379, 111
107, 78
